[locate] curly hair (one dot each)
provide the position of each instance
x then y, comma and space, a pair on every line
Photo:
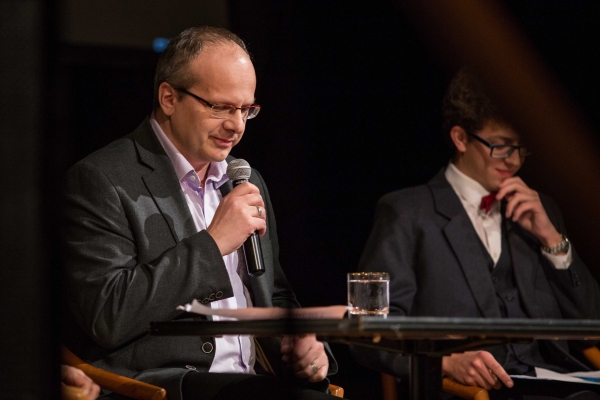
466, 103
173, 63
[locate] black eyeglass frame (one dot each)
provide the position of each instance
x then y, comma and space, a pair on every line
229, 106
491, 146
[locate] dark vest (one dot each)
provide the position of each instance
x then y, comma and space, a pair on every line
517, 359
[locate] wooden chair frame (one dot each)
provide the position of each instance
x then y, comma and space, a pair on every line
122, 385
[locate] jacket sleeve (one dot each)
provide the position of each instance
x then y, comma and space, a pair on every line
391, 248
111, 293
575, 288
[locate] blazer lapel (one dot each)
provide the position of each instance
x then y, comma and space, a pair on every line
466, 245
162, 183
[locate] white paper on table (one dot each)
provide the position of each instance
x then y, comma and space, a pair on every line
330, 312
589, 377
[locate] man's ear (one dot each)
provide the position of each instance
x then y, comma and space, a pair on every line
459, 138
166, 98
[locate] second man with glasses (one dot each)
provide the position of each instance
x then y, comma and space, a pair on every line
476, 241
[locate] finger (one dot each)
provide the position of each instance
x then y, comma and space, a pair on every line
511, 181
94, 392
252, 199
302, 347
518, 187
480, 373
520, 198
260, 226
489, 377
304, 362
258, 212
287, 344
505, 190
75, 377
322, 365
305, 351
321, 373
522, 210
498, 384
513, 202
243, 189
87, 384
498, 371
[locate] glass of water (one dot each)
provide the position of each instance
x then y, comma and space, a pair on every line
368, 293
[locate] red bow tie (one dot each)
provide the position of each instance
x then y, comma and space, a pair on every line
487, 201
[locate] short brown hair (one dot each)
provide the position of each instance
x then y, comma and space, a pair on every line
467, 105
173, 63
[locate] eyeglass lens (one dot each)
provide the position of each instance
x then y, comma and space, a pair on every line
226, 110
506, 151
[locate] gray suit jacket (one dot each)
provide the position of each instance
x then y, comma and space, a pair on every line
132, 255
424, 238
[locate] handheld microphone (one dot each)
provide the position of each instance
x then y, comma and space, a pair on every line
238, 171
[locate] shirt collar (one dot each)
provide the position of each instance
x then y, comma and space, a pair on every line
217, 171
467, 188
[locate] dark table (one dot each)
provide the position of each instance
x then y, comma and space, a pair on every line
423, 340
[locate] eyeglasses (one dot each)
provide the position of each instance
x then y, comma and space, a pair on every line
503, 150
225, 110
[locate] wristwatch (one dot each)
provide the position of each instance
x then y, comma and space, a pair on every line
562, 247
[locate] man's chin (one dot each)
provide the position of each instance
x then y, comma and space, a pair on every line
220, 155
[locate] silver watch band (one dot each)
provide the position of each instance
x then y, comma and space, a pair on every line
562, 247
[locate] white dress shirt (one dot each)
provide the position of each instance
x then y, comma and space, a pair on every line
488, 225
233, 353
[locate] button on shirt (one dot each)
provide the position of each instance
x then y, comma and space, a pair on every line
488, 225
232, 353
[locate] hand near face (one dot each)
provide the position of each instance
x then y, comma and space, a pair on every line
237, 218
523, 205
75, 377
476, 368
300, 351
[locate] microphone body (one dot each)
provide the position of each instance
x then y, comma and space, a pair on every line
252, 248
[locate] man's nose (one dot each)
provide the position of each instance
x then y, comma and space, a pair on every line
236, 122
514, 158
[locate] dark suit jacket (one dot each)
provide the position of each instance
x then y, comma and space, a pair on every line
424, 238
132, 255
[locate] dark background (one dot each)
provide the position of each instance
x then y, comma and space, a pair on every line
351, 110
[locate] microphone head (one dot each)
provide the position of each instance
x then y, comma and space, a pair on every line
238, 169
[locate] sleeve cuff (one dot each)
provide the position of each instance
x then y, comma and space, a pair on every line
560, 262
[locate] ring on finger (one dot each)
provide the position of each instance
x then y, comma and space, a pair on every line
260, 211
314, 367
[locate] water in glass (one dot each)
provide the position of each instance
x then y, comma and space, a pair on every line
368, 294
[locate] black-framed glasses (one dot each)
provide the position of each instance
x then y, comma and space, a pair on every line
503, 150
225, 110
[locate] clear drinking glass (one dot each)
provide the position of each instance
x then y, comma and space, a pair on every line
368, 293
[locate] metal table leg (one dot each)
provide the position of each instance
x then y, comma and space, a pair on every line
425, 377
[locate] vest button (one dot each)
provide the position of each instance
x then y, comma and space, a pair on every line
207, 347
508, 297
494, 279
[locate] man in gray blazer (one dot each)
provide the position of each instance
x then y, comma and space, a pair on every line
152, 222
476, 241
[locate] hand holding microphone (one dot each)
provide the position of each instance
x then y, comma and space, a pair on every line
240, 218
